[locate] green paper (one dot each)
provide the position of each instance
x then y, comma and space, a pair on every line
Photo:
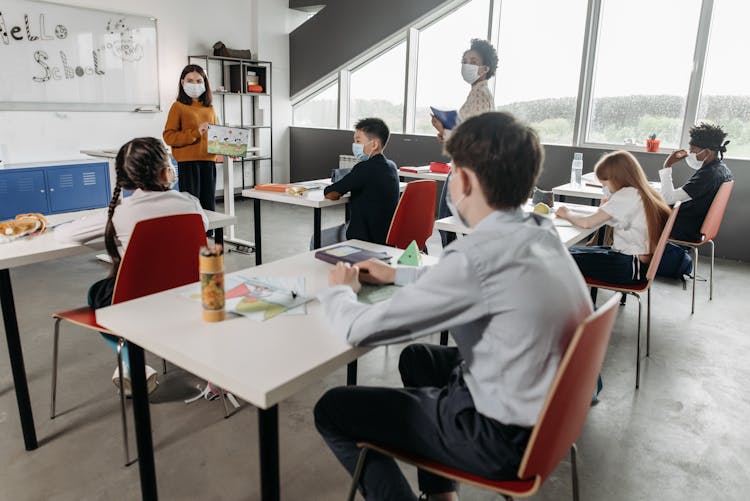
411, 256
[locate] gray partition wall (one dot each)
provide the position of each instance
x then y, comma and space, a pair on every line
314, 152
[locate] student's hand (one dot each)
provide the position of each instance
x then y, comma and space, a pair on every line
345, 274
562, 213
333, 195
374, 271
438, 125
675, 157
202, 128
441, 138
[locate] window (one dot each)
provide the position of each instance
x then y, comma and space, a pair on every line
538, 80
319, 111
376, 89
642, 73
725, 97
441, 46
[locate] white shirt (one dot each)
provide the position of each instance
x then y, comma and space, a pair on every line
509, 292
668, 191
137, 207
629, 221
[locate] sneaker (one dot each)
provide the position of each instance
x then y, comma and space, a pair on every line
151, 380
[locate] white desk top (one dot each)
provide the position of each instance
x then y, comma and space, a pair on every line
310, 198
44, 247
435, 176
569, 234
587, 191
260, 362
102, 153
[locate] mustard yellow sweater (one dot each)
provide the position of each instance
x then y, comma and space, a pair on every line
181, 131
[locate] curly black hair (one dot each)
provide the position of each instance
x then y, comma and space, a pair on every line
488, 54
709, 136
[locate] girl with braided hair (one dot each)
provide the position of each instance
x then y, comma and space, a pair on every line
142, 165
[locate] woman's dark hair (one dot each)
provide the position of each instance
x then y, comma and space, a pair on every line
204, 98
138, 165
487, 53
505, 155
709, 136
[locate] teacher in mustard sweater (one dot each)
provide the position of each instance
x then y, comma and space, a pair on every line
186, 131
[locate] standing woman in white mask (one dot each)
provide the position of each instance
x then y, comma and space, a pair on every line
478, 65
186, 131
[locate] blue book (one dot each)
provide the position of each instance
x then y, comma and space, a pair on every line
447, 118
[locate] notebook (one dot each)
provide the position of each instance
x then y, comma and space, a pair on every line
447, 117
349, 254
419, 169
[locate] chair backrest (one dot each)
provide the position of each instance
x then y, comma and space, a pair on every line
569, 399
659, 251
162, 254
715, 213
415, 215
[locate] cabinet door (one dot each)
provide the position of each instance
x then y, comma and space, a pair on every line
78, 187
22, 191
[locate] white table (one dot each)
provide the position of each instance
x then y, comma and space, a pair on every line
261, 362
593, 193
569, 234
435, 176
311, 198
37, 249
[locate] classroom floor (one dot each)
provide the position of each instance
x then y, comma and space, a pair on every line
683, 435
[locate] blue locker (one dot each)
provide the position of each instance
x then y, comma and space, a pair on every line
22, 190
78, 187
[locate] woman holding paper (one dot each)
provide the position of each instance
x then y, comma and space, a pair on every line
477, 66
186, 131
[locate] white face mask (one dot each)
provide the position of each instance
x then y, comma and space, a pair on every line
194, 90
606, 192
470, 73
454, 207
693, 162
171, 175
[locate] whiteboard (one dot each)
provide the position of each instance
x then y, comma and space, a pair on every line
60, 57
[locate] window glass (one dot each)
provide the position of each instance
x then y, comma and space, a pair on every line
319, 111
376, 89
538, 80
441, 46
642, 73
725, 97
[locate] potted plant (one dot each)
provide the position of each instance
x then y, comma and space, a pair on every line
652, 144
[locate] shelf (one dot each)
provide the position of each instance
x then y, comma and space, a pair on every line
227, 93
221, 58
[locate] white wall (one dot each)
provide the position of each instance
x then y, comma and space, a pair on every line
184, 26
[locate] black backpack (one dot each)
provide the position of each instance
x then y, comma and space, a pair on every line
675, 262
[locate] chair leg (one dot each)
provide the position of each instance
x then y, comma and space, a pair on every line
120, 372
164, 365
695, 276
443, 338
574, 472
638, 346
648, 321
711, 275
224, 401
53, 395
357, 474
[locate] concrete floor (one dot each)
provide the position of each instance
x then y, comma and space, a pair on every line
683, 435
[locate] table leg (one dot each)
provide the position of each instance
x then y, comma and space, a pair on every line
219, 236
142, 419
268, 434
443, 338
256, 219
347, 213
316, 228
16, 361
449, 236
351, 373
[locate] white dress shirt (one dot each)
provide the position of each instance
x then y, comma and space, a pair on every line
510, 294
137, 207
479, 100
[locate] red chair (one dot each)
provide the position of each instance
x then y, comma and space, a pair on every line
415, 215
162, 254
709, 229
560, 422
638, 289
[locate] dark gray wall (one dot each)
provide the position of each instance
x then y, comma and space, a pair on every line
314, 152
343, 30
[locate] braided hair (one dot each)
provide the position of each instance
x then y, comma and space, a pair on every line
138, 165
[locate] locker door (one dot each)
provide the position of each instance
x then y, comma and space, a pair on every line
21, 191
78, 187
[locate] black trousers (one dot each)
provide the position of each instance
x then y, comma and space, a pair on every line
432, 416
198, 177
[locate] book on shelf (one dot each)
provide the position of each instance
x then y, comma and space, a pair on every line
349, 254
446, 117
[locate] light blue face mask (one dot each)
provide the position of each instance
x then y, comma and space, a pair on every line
358, 150
454, 207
